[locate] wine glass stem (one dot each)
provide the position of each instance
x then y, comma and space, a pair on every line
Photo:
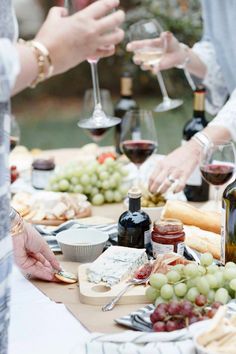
96, 89
162, 85
138, 177
217, 194
189, 79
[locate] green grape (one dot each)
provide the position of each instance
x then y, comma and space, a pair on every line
55, 187
192, 294
74, 180
98, 199
222, 296
78, 172
109, 161
93, 180
117, 176
78, 189
152, 293
191, 283
211, 296
112, 182
103, 176
203, 286
85, 180
158, 280
117, 196
159, 300
173, 276
101, 168
52, 180
105, 185
229, 289
180, 289
213, 268
109, 196
230, 265
219, 278
64, 185
94, 191
87, 189
178, 267
202, 270
232, 284
230, 273
167, 292
206, 259
212, 281
191, 270
71, 189
123, 190
91, 168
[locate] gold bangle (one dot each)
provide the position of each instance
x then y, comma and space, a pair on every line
45, 66
18, 227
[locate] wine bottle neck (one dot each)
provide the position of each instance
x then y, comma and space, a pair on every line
126, 87
134, 204
199, 104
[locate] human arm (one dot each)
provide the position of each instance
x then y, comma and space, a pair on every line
90, 32
31, 253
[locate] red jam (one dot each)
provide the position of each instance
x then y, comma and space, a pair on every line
168, 236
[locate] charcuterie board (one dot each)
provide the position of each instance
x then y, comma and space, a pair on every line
100, 294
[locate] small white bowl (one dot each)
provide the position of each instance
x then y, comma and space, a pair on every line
82, 245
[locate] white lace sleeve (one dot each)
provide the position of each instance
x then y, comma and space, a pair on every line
227, 116
9, 68
214, 80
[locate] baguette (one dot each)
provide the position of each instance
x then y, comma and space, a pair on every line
203, 241
190, 215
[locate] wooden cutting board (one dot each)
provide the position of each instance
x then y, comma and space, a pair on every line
100, 294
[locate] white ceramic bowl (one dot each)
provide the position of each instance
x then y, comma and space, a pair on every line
82, 245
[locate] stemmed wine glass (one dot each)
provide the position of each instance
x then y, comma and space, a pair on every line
87, 109
14, 132
99, 119
218, 165
138, 137
148, 55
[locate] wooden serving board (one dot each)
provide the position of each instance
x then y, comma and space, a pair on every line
100, 294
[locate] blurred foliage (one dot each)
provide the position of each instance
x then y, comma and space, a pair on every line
182, 17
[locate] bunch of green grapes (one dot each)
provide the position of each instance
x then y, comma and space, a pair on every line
216, 283
101, 183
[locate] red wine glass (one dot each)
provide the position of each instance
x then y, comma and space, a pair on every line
138, 137
218, 165
98, 120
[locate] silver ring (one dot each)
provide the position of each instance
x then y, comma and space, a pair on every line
171, 179
28, 276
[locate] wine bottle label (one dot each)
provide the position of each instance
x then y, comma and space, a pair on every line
180, 248
159, 248
147, 238
126, 86
223, 224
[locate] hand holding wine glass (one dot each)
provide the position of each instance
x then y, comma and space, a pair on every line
218, 165
138, 137
149, 45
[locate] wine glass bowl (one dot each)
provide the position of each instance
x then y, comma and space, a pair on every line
217, 164
138, 137
150, 55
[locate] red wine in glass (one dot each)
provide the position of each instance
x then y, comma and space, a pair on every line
217, 174
138, 151
97, 133
14, 140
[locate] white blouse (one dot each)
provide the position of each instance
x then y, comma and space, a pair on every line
217, 90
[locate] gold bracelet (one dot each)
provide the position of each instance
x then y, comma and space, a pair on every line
45, 66
18, 227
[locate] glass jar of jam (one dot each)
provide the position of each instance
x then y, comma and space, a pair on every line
42, 170
168, 236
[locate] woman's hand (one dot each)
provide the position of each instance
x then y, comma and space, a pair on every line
174, 54
33, 256
175, 168
92, 32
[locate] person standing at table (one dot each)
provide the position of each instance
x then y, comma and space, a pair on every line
212, 60
62, 42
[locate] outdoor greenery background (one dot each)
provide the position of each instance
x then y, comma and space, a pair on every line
48, 114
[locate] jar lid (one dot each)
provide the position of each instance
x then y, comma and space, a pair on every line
43, 164
134, 193
168, 226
